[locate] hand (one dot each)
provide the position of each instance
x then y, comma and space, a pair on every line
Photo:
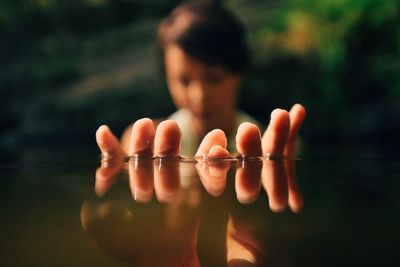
278, 140
277, 179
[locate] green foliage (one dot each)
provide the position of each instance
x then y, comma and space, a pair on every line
340, 58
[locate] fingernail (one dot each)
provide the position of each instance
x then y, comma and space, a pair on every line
275, 112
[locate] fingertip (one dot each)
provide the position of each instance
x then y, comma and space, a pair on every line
276, 136
167, 139
219, 135
214, 137
277, 209
144, 120
102, 127
142, 137
279, 114
144, 123
298, 111
298, 106
100, 135
101, 130
218, 151
169, 124
248, 139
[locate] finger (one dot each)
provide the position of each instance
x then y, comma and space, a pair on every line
213, 174
166, 170
248, 181
297, 115
213, 138
141, 179
108, 143
167, 139
166, 178
248, 140
275, 137
295, 197
274, 181
106, 176
218, 151
107, 173
142, 138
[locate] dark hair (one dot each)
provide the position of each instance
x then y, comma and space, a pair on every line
208, 32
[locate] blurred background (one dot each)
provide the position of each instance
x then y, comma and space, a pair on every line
67, 67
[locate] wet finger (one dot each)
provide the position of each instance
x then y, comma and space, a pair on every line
142, 138
167, 139
297, 115
108, 143
213, 138
275, 137
248, 140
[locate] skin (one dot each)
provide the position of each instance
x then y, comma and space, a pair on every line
278, 139
209, 93
244, 245
164, 141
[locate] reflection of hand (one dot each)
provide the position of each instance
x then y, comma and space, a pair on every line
178, 222
145, 143
275, 176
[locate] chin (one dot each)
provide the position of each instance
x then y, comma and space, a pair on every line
204, 114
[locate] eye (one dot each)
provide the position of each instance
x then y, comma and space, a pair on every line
184, 80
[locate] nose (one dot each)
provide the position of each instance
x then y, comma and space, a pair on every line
198, 95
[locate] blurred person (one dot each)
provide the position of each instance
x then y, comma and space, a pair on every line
204, 57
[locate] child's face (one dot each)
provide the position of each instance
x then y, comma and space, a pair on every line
205, 90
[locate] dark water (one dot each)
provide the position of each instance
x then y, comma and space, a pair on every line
316, 211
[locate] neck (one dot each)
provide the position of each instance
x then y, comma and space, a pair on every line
223, 120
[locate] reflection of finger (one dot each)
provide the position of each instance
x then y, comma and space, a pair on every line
297, 115
213, 173
167, 140
108, 143
248, 140
141, 179
106, 175
142, 137
213, 138
166, 178
276, 135
248, 181
295, 196
274, 181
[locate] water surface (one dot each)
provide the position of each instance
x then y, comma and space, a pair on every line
314, 211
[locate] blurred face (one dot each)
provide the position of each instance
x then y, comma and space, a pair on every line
207, 91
